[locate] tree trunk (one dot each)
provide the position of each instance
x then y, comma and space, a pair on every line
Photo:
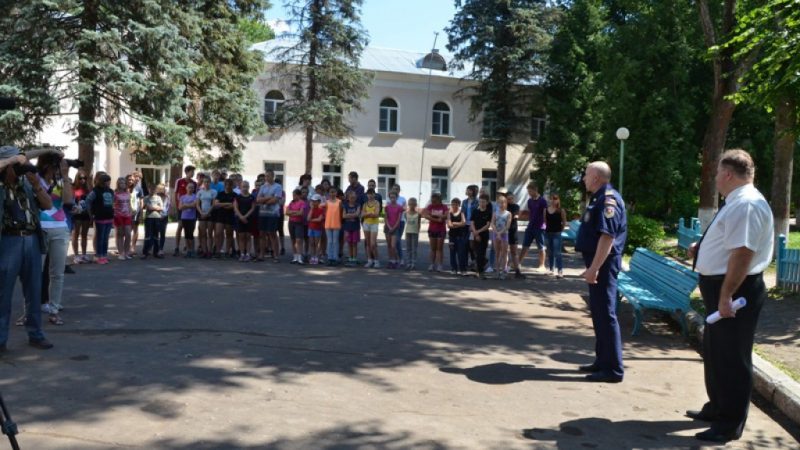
785, 121
309, 149
501, 165
713, 143
313, 50
87, 107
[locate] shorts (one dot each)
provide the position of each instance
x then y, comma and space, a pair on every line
188, 228
137, 217
352, 237
123, 221
512, 237
269, 224
503, 237
436, 234
532, 235
243, 227
371, 227
297, 230
223, 217
314, 233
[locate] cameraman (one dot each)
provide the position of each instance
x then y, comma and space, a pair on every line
54, 177
22, 197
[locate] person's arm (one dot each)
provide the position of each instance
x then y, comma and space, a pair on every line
42, 197
18, 159
563, 219
603, 250
236, 209
488, 224
35, 153
175, 198
738, 265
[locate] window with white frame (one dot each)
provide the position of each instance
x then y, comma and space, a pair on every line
272, 102
278, 168
332, 173
389, 116
440, 181
387, 177
441, 120
538, 125
489, 182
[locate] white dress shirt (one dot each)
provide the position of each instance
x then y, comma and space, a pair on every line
744, 221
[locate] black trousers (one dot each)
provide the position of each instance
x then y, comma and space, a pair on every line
727, 353
480, 252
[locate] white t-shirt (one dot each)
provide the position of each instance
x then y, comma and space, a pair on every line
744, 221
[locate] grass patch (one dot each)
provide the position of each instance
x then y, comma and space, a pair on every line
783, 367
696, 302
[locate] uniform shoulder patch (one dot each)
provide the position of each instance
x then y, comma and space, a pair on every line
609, 192
609, 212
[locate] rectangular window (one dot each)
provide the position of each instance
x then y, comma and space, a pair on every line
388, 120
387, 177
440, 182
441, 123
538, 125
332, 173
277, 168
489, 182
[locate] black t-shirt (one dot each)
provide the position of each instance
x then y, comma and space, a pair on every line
481, 218
222, 213
513, 208
460, 231
244, 202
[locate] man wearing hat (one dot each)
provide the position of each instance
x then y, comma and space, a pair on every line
22, 198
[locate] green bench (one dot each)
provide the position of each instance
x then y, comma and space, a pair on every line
688, 235
658, 283
571, 233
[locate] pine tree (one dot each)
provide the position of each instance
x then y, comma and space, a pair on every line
322, 68
505, 43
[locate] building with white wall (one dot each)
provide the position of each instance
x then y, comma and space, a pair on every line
414, 130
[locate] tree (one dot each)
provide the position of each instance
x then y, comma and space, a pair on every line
574, 95
132, 71
322, 68
726, 83
505, 42
770, 35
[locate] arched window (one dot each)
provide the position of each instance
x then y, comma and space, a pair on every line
441, 119
272, 101
389, 114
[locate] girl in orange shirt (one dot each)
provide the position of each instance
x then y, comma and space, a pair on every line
333, 223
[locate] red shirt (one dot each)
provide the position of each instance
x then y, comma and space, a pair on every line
440, 211
317, 212
180, 186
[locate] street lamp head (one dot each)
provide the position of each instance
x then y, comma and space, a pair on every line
623, 133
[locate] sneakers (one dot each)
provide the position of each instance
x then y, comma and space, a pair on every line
368, 264
376, 264
122, 258
41, 344
490, 269
431, 268
560, 274
102, 261
176, 252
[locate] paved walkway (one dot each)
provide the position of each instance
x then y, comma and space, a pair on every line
183, 354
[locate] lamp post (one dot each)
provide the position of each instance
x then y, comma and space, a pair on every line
622, 134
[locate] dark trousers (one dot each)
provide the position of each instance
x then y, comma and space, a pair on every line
480, 252
162, 238
458, 253
152, 229
727, 353
603, 307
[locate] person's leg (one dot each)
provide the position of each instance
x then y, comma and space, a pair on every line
542, 248
555, 251
58, 241
492, 253
106, 230
126, 241
399, 241
178, 232
119, 239
548, 241
481, 252
162, 238
374, 245
30, 273
74, 236
11, 248
276, 244
229, 246
453, 255
281, 225
219, 230
603, 307
86, 224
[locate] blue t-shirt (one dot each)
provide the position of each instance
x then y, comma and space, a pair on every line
269, 191
351, 224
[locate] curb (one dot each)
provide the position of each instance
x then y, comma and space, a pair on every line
777, 387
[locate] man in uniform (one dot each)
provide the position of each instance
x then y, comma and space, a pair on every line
731, 258
22, 197
601, 240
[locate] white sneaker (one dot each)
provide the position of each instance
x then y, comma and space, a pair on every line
490, 269
376, 264
368, 264
431, 268
78, 259
121, 257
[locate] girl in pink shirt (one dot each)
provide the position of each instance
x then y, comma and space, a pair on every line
123, 218
392, 228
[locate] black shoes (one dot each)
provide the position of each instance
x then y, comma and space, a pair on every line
588, 368
41, 344
714, 436
599, 377
699, 415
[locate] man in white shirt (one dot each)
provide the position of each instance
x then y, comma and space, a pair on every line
731, 258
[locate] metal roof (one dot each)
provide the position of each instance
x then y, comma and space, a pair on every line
376, 59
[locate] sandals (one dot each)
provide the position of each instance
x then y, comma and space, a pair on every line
55, 319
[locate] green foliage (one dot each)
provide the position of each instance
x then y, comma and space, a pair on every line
322, 68
644, 232
154, 75
255, 30
505, 44
602, 76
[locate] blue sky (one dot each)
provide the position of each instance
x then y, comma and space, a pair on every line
400, 24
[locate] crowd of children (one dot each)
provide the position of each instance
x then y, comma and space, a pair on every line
325, 223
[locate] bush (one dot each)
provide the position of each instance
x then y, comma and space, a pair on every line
644, 232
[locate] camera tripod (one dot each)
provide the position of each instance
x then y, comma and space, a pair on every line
8, 427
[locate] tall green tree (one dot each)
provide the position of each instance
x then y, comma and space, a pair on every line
505, 44
574, 98
323, 69
770, 36
133, 71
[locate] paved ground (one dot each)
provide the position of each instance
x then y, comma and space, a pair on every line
778, 336
183, 354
